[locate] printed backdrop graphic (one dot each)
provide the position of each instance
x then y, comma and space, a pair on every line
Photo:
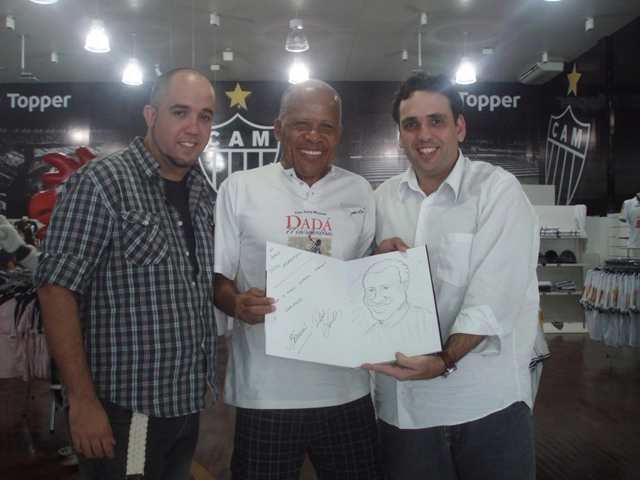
238, 144
567, 145
35, 119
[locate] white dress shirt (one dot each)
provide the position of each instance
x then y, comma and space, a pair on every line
483, 239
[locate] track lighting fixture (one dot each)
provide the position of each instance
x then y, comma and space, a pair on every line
296, 40
132, 74
97, 40
466, 73
298, 72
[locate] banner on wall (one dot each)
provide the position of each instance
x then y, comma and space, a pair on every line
36, 119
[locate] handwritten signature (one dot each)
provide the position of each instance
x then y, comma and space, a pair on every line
325, 319
288, 262
295, 336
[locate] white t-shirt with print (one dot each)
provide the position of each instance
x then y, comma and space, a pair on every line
272, 204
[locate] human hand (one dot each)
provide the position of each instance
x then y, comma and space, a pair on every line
419, 367
90, 429
394, 244
252, 305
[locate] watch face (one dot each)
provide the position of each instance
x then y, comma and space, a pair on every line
449, 371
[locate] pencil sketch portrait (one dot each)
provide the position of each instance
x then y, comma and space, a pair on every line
393, 321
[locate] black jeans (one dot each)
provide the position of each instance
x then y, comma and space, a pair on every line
170, 445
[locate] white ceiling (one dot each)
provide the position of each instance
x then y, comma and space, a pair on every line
351, 40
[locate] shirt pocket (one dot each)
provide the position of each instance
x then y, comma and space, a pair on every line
144, 242
454, 258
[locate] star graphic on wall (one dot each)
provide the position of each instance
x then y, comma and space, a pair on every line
573, 77
238, 97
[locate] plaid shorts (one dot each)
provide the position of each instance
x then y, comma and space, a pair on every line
342, 443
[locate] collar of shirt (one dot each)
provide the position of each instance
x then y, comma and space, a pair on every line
290, 173
150, 168
453, 182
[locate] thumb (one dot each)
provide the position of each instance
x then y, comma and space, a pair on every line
402, 359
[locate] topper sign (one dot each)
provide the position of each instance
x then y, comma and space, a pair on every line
492, 102
35, 102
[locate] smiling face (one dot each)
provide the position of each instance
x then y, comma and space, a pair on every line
384, 293
309, 131
429, 136
179, 127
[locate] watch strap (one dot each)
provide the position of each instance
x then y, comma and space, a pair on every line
448, 361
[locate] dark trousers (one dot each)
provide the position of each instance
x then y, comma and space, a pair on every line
170, 445
342, 443
496, 447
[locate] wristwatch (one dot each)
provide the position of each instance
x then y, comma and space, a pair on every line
448, 361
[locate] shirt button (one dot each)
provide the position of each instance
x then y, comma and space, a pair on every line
180, 223
193, 284
187, 254
145, 222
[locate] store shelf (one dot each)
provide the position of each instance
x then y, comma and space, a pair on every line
554, 265
560, 293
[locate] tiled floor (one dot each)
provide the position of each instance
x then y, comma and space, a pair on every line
586, 418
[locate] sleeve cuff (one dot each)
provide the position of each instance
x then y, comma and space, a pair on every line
63, 271
480, 320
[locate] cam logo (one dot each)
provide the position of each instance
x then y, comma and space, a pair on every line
567, 144
238, 144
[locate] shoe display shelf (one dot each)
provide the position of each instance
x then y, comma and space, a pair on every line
561, 264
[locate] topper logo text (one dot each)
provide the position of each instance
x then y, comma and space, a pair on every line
42, 103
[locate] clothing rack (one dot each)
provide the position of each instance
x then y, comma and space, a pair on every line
623, 262
610, 300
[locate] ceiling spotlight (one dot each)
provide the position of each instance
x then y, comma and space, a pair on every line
227, 55
405, 55
54, 57
214, 19
97, 40
10, 22
44, 2
423, 19
466, 73
296, 40
589, 24
132, 74
298, 72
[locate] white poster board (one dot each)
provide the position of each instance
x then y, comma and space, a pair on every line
349, 313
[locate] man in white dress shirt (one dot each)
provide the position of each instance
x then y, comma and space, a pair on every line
467, 410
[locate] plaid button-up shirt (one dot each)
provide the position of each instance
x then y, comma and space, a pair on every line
148, 325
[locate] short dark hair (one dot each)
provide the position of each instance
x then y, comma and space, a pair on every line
163, 82
430, 83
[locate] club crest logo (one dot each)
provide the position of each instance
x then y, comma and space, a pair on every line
567, 145
238, 144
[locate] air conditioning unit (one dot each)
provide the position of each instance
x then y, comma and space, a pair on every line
540, 72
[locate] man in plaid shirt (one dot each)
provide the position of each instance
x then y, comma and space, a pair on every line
125, 285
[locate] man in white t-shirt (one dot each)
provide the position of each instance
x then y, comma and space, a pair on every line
288, 408
466, 411
630, 214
